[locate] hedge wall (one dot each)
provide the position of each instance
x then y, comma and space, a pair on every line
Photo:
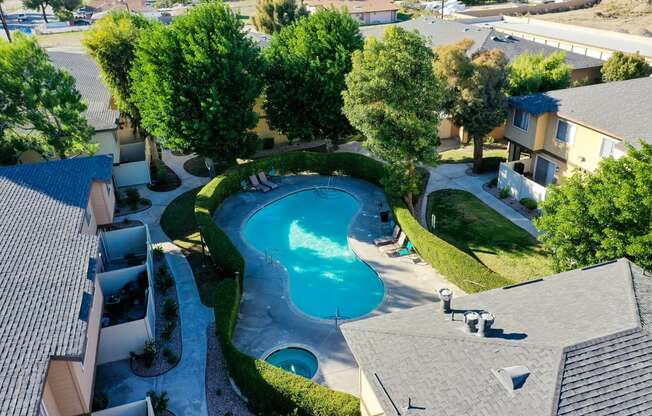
272, 391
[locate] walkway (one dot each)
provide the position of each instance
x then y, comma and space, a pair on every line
456, 176
268, 320
185, 383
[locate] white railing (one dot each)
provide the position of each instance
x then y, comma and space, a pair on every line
520, 186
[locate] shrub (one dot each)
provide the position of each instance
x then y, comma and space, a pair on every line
504, 193
167, 332
170, 356
100, 401
149, 353
164, 281
490, 164
159, 402
529, 203
158, 252
493, 182
132, 196
170, 309
268, 143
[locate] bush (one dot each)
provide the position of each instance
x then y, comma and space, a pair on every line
268, 143
149, 353
166, 333
132, 196
164, 281
490, 164
493, 182
159, 402
170, 309
158, 252
504, 193
170, 356
529, 203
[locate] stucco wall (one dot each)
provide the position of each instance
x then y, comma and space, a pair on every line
108, 141
118, 243
49, 402
102, 202
369, 404
112, 282
130, 174
515, 134
118, 341
139, 408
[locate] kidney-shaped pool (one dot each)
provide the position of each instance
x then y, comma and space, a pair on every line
307, 232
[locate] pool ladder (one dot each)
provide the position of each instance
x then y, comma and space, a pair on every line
269, 257
321, 192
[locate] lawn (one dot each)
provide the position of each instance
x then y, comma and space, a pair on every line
178, 222
465, 154
56, 40
470, 225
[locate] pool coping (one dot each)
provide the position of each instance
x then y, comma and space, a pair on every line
286, 279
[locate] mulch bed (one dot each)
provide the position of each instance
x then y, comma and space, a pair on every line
122, 208
220, 396
161, 365
512, 202
169, 182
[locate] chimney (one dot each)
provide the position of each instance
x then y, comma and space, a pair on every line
471, 320
485, 322
445, 295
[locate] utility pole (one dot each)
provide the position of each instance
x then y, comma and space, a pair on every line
442, 9
4, 22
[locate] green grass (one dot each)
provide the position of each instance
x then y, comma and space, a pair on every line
470, 225
178, 222
465, 154
66, 39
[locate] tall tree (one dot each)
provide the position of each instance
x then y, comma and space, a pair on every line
195, 83
273, 15
623, 66
394, 99
306, 65
475, 94
112, 43
592, 218
64, 9
530, 73
40, 102
39, 5
3, 19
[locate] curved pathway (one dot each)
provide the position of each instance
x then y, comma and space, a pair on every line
185, 383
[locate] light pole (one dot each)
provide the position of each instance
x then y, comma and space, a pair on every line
203, 252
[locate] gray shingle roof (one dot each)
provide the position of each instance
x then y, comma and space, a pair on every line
621, 109
99, 113
579, 333
44, 271
441, 32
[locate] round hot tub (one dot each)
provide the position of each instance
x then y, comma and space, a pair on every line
295, 360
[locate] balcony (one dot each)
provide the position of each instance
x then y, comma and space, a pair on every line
517, 177
128, 318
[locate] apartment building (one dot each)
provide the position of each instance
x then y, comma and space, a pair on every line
365, 12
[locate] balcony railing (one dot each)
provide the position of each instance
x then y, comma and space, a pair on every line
515, 176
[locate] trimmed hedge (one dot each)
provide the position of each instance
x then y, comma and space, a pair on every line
270, 390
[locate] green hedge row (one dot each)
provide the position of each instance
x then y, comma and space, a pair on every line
272, 391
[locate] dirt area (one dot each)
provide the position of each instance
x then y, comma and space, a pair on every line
70, 40
625, 16
244, 8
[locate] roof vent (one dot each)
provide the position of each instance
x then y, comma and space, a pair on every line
445, 295
471, 320
485, 322
512, 378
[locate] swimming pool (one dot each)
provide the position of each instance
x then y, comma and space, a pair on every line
307, 233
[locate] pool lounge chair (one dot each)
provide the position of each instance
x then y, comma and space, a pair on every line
396, 246
254, 181
388, 239
246, 187
265, 181
403, 251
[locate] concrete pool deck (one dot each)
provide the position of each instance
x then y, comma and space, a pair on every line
267, 319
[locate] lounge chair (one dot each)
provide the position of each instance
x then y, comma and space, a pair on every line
254, 181
388, 239
395, 246
246, 187
403, 251
265, 181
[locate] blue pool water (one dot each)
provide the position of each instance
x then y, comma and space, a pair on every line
307, 232
295, 360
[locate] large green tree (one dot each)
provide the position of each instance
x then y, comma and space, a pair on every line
530, 73
306, 65
273, 15
196, 81
394, 99
112, 43
40, 102
39, 5
623, 66
591, 218
475, 91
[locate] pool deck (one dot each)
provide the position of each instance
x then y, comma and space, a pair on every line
268, 320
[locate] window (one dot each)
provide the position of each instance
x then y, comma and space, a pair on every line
608, 148
521, 119
565, 132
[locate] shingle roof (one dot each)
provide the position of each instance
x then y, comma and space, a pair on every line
621, 109
99, 113
578, 333
355, 6
44, 271
442, 32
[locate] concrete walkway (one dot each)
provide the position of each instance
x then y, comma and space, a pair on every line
268, 320
185, 383
456, 176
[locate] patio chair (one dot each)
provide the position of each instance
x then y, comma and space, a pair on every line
395, 246
245, 186
254, 181
403, 251
388, 239
265, 181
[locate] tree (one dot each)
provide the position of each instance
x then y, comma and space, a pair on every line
306, 65
531, 73
195, 83
64, 9
273, 15
3, 19
592, 218
474, 97
112, 43
623, 66
38, 5
394, 98
40, 102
